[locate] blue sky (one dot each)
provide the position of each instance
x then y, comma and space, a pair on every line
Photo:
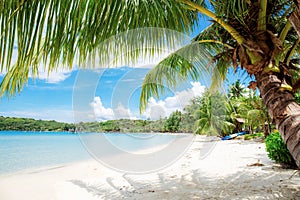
116, 96
63, 95
41, 99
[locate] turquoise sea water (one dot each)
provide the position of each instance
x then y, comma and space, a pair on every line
25, 150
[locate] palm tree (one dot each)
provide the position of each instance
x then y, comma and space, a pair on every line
252, 110
212, 115
248, 109
189, 117
260, 36
236, 90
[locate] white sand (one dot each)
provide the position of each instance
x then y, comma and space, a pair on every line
222, 172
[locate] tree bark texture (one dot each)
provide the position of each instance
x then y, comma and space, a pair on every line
283, 109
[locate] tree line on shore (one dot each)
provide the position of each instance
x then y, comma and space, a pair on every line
28, 124
212, 114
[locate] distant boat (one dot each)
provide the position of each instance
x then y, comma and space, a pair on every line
229, 137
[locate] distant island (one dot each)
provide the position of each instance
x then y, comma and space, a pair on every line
28, 124
120, 125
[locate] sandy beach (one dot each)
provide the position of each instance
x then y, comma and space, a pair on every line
209, 169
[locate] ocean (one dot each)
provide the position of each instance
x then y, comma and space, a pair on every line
25, 150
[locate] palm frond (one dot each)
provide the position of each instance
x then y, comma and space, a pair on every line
55, 31
202, 126
203, 58
221, 62
236, 8
188, 62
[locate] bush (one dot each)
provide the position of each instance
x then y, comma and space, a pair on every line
278, 151
173, 122
110, 126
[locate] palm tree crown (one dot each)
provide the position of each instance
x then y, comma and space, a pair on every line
236, 90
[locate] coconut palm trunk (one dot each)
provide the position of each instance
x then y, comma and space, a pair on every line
283, 109
258, 37
274, 83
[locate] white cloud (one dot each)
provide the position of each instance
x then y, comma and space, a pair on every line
197, 88
123, 113
100, 112
156, 109
55, 76
163, 108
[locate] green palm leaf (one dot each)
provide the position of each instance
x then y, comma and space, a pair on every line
55, 31
192, 61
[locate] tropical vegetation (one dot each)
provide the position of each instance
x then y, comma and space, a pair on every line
172, 124
252, 112
208, 114
212, 115
278, 151
260, 36
27, 124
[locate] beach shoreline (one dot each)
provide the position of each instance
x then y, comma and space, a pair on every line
209, 169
